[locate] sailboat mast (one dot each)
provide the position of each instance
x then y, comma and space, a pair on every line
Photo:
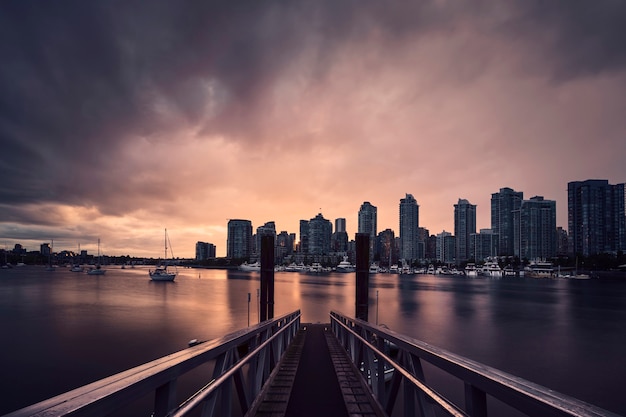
165, 257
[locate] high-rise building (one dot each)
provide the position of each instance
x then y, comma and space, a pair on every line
239, 239
503, 204
268, 229
367, 223
387, 248
320, 231
409, 223
339, 238
596, 217
45, 249
483, 245
304, 237
284, 245
535, 229
422, 239
445, 247
204, 251
464, 227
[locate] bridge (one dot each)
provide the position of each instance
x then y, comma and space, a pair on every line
345, 367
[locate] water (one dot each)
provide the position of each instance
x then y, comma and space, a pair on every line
61, 330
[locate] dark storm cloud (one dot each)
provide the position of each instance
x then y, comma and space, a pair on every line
79, 79
579, 37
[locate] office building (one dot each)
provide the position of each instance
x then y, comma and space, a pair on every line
284, 245
409, 224
339, 238
503, 204
464, 227
483, 245
319, 235
387, 252
204, 251
268, 229
445, 251
535, 229
239, 239
367, 223
596, 217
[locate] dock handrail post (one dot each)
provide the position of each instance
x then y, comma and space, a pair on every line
362, 275
267, 277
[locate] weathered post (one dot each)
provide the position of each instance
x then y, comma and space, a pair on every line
267, 277
362, 275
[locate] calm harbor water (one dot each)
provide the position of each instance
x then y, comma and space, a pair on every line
61, 330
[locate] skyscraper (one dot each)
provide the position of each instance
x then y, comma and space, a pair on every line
339, 238
204, 251
268, 229
535, 229
409, 223
464, 227
445, 247
320, 231
503, 204
367, 223
596, 217
239, 239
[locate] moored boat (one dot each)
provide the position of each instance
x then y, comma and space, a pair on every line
161, 272
539, 269
255, 266
345, 266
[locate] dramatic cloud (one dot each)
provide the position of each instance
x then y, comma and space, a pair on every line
120, 118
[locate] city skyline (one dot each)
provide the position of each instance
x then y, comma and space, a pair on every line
120, 120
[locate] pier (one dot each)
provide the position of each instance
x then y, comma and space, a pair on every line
347, 367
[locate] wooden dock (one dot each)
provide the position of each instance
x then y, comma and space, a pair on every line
316, 378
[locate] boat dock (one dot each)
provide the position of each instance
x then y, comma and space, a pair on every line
316, 378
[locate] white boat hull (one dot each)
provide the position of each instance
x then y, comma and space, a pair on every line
162, 276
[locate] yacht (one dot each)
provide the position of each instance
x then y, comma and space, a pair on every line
374, 268
345, 266
539, 269
255, 266
470, 270
492, 269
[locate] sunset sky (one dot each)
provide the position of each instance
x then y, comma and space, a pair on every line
121, 118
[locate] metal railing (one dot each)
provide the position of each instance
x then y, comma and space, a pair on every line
243, 362
390, 361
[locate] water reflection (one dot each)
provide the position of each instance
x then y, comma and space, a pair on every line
64, 331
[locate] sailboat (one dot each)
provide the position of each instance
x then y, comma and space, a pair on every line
161, 273
98, 269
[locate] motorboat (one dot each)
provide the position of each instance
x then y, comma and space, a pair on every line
345, 266
470, 270
492, 269
539, 269
255, 266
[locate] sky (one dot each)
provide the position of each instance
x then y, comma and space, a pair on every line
119, 119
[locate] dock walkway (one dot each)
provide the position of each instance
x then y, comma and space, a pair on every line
316, 378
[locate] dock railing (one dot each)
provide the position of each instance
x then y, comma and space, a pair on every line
243, 362
393, 364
